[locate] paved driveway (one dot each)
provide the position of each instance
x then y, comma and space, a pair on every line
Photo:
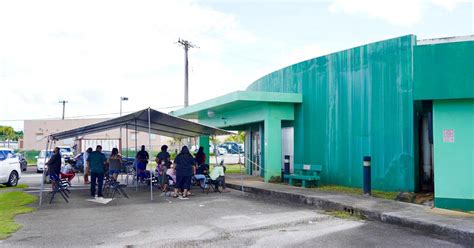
214, 220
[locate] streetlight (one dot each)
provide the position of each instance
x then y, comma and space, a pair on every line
122, 98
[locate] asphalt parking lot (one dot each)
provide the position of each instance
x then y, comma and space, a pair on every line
204, 220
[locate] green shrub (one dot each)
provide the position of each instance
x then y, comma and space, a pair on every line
30, 156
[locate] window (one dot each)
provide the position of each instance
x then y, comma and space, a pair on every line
2, 156
132, 135
10, 154
65, 150
7, 154
43, 153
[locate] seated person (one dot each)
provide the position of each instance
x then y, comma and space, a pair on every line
67, 172
217, 175
171, 172
162, 163
201, 173
115, 164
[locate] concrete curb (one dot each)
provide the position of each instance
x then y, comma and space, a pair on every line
371, 214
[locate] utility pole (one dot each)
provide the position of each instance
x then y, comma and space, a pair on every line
64, 106
186, 45
122, 98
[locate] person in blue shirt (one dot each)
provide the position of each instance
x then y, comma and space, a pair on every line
142, 160
96, 162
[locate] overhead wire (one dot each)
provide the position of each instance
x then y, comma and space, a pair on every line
84, 116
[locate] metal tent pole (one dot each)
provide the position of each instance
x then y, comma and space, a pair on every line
149, 145
216, 151
241, 175
136, 152
126, 147
42, 178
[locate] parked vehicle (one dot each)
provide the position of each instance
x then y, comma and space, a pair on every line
66, 151
220, 150
23, 162
78, 161
231, 147
10, 169
44, 156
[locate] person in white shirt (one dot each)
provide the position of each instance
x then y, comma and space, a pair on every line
217, 174
67, 172
86, 168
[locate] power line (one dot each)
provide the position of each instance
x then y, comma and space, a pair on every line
92, 115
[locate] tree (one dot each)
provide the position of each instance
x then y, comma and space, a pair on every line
213, 139
7, 133
18, 135
238, 138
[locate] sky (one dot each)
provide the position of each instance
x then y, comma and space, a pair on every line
91, 53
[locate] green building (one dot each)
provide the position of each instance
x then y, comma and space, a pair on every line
408, 104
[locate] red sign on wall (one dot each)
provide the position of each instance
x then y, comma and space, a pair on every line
448, 135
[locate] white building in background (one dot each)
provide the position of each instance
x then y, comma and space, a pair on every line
9, 144
36, 131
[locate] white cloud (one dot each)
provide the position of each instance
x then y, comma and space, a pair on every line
92, 52
299, 54
395, 12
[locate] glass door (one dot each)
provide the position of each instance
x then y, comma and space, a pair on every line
256, 153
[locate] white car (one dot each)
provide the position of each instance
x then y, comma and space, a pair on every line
10, 169
66, 151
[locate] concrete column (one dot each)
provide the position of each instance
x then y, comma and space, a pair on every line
204, 142
272, 147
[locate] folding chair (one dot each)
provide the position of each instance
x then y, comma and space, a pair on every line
171, 186
61, 187
112, 187
211, 184
117, 187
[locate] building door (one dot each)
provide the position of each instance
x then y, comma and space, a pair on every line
426, 168
287, 146
256, 153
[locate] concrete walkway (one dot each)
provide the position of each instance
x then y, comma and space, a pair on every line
453, 224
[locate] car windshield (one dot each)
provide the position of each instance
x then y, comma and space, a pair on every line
65, 150
42, 154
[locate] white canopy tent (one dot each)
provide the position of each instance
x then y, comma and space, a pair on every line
147, 120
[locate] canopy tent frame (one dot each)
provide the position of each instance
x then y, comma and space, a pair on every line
147, 120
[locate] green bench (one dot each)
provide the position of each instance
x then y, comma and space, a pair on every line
307, 173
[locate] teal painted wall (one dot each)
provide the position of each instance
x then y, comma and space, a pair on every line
204, 142
444, 71
356, 102
454, 161
272, 115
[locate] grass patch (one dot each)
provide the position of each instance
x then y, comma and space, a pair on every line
390, 195
18, 186
12, 204
234, 168
344, 215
